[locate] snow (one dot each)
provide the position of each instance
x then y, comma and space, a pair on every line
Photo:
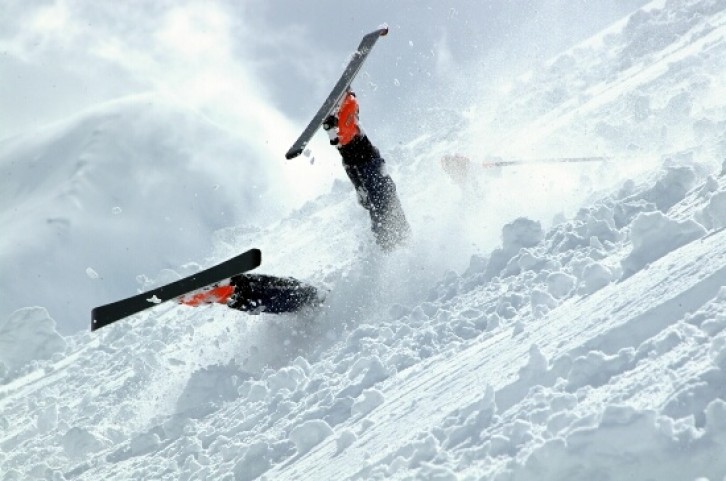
654, 235
309, 434
79, 184
27, 335
531, 330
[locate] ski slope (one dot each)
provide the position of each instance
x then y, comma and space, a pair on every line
544, 323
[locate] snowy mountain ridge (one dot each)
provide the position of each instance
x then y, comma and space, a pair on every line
591, 348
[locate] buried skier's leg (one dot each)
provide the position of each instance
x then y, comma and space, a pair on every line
377, 193
263, 293
366, 170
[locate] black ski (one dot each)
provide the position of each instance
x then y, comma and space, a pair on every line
109, 313
359, 56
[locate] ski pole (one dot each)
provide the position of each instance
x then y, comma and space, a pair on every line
498, 162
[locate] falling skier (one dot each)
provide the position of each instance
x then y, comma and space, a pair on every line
225, 283
376, 193
228, 283
367, 171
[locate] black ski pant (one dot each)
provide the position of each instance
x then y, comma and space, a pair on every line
377, 194
263, 293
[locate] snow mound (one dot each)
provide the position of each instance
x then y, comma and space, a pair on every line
654, 235
27, 335
93, 203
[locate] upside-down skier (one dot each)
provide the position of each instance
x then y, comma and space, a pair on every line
366, 169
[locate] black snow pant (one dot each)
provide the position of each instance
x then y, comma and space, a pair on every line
263, 293
376, 192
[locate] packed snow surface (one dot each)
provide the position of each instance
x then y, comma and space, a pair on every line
591, 345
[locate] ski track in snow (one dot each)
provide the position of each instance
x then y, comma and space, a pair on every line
594, 348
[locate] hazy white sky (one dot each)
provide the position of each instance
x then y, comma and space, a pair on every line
259, 69
256, 65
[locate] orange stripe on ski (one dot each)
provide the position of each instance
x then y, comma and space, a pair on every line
220, 294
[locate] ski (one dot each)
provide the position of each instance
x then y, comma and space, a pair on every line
104, 315
350, 72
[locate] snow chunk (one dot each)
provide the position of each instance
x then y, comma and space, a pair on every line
560, 285
29, 334
542, 298
536, 364
368, 401
542, 301
209, 387
254, 462
672, 187
48, 418
368, 371
286, 379
145, 443
522, 232
79, 442
91, 273
714, 214
519, 234
423, 450
471, 421
717, 351
345, 439
654, 235
595, 276
309, 434
597, 368
716, 417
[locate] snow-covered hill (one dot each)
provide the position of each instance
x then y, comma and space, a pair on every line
114, 192
546, 322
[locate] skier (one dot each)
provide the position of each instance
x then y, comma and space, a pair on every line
366, 170
376, 193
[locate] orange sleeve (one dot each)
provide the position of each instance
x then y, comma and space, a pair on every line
348, 119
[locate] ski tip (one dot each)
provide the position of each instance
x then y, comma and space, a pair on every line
383, 29
292, 153
258, 257
97, 318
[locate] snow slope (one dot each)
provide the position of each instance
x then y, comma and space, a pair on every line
591, 346
94, 198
